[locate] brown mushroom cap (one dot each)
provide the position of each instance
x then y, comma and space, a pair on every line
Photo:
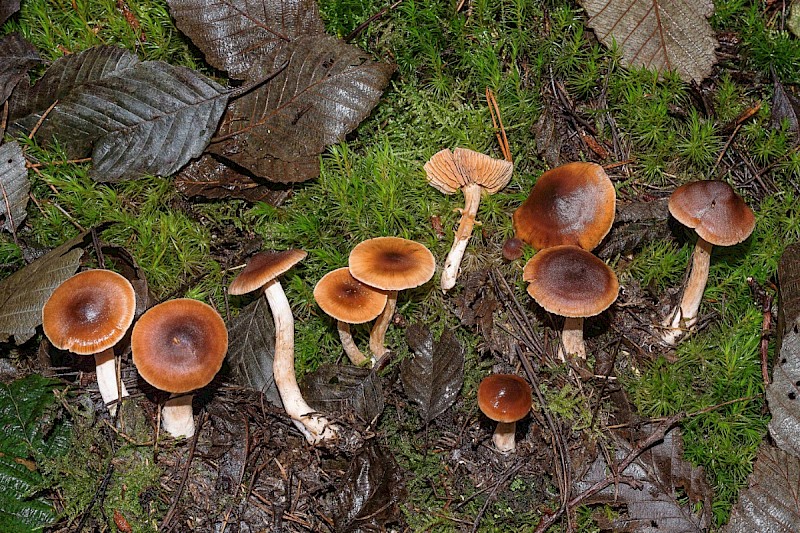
570, 204
90, 312
449, 171
443, 173
178, 346
714, 210
504, 397
392, 263
346, 299
264, 267
571, 282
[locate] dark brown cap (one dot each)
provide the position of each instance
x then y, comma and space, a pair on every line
178, 346
346, 299
569, 281
90, 312
714, 210
392, 263
263, 268
449, 171
570, 204
504, 397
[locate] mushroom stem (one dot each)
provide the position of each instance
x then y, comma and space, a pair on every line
350, 347
572, 338
106, 370
177, 417
503, 437
314, 427
377, 337
685, 315
472, 199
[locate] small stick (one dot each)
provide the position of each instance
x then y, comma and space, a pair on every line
353, 34
41, 119
497, 123
184, 476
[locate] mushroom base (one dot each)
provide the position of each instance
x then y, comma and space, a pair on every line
684, 317
377, 336
106, 369
572, 339
503, 437
177, 417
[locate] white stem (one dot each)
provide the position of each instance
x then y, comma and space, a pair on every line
350, 347
377, 337
177, 417
572, 339
685, 315
472, 199
503, 437
106, 370
314, 427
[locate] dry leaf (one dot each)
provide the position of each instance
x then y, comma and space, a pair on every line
14, 186
785, 106
8, 8
211, 178
16, 56
342, 389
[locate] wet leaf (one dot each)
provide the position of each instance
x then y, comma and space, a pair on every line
658, 34
636, 224
343, 389
236, 35
16, 56
433, 377
8, 8
785, 106
211, 178
14, 186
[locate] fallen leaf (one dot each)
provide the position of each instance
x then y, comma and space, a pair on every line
210, 178
660, 35
341, 389
14, 186
785, 106
433, 377
635, 224
8, 8
17, 56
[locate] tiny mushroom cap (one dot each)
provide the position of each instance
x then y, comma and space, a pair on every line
90, 312
714, 210
504, 397
179, 345
263, 268
346, 299
570, 204
392, 263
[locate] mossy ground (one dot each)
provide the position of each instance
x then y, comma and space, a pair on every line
374, 184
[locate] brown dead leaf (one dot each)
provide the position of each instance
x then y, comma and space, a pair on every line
785, 106
210, 178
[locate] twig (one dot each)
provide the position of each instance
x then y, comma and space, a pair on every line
490, 498
41, 119
28, 164
353, 34
99, 494
497, 124
173, 507
689, 415
10, 224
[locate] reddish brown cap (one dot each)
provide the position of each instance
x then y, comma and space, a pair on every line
714, 210
263, 268
569, 281
570, 204
345, 298
392, 263
178, 346
90, 312
504, 397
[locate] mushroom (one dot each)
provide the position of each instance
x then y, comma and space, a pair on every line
569, 281
88, 314
262, 272
178, 346
349, 301
391, 264
721, 218
506, 399
475, 174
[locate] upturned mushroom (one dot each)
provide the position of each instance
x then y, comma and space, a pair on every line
391, 264
475, 174
569, 281
178, 346
721, 218
87, 315
349, 301
506, 399
261, 273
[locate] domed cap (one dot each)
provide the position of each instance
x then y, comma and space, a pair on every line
504, 397
392, 263
449, 171
571, 282
714, 210
570, 204
345, 298
263, 268
90, 312
178, 345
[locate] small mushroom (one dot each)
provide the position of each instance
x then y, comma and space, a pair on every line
88, 314
261, 273
506, 399
475, 174
178, 346
349, 301
569, 281
391, 264
721, 218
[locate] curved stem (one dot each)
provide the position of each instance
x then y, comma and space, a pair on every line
572, 338
377, 337
106, 370
685, 315
314, 427
472, 199
177, 417
503, 437
350, 347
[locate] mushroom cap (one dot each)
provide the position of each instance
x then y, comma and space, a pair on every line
443, 173
346, 299
392, 263
570, 204
263, 268
178, 345
714, 210
90, 312
504, 397
449, 171
571, 282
